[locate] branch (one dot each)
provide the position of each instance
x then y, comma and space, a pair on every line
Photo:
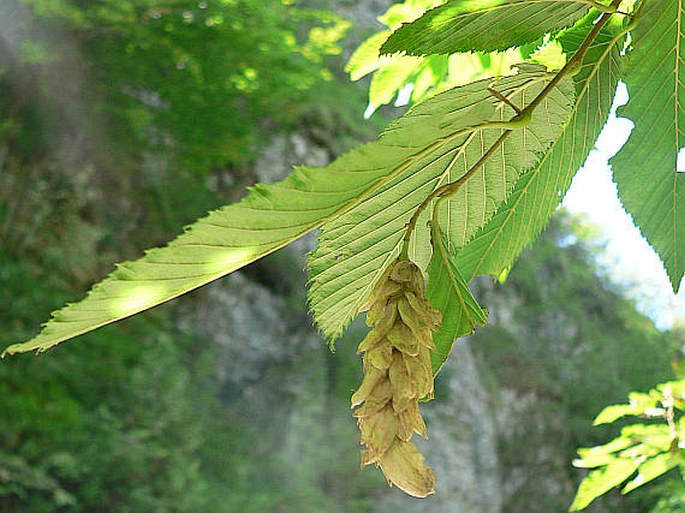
520, 120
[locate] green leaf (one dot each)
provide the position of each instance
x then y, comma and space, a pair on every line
366, 58
639, 404
483, 25
431, 74
270, 217
389, 79
539, 191
601, 455
647, 448
406, 11
393, 73
651, 469
645, 169
600, 481
425, 75
435, 143
448, 292
675, 389
655, 436
613, 413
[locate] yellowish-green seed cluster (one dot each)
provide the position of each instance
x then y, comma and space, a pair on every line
397, 373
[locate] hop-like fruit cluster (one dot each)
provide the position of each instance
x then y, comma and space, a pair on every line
397, 373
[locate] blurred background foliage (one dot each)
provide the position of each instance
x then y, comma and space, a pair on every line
121, 121
572, 339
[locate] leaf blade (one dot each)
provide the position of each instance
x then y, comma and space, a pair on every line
539, 191
270, 217
651, 469
448, 292
600, 481
485, 26
654, 194
366, 58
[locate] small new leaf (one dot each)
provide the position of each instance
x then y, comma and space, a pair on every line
651, 469
365, 58
646, 450
601, 481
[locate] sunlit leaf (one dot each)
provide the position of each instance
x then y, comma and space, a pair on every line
651, 469
599, 482
649, 186
366, 58
612, 413
483, 25
602, 454
270, 217
395, 75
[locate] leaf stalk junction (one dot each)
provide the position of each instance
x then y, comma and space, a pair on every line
519, 121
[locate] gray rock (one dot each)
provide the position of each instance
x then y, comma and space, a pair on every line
277, 159
250, 328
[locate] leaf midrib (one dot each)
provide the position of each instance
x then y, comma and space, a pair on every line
677, 130
447, 260
523, 3
512, 209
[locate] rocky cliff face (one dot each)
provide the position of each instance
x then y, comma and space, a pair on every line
535, 470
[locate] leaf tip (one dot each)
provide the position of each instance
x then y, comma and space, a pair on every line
676, 280
11, 350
